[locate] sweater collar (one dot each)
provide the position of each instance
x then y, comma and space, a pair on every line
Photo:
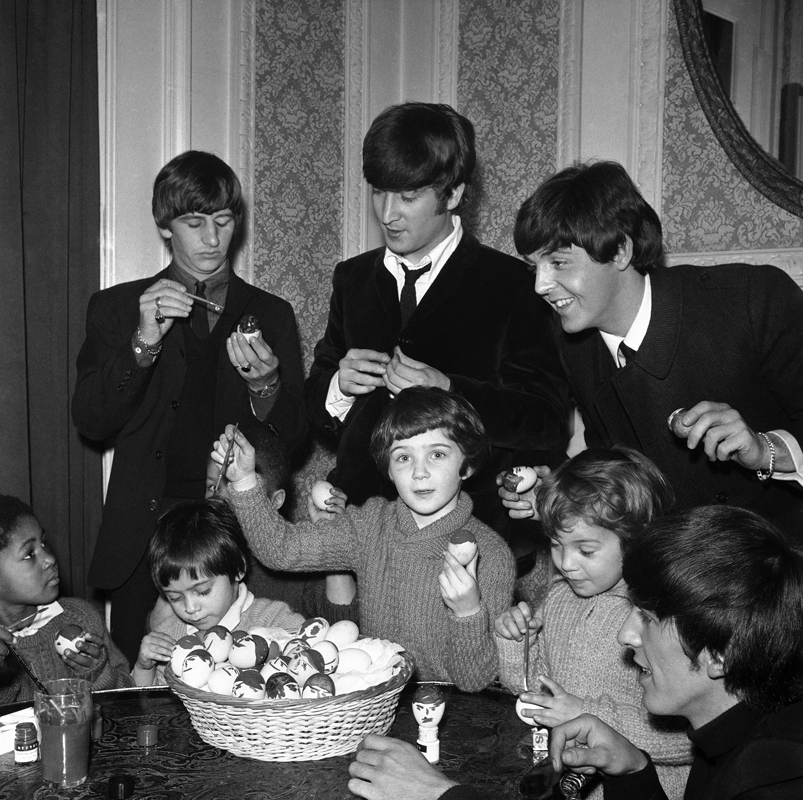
726, 731
452, 521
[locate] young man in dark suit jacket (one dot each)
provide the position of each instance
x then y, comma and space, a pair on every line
433, 307
721, 346
160, 374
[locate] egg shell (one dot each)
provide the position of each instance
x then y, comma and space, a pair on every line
249, 684
313, 630
295, 646
330, 653
521, 705
221, 681
528, 478
282, 686
318, 686
353, 660
343, 633
181, 649
68, 638
463, 545
304, 664
197, 668
248, 651
238, 634
218, 641
320, 493
249, 327
271, 668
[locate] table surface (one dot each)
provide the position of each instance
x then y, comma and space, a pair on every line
480, 741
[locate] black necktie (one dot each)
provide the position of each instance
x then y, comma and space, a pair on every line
199, 318
407, 301
625, 354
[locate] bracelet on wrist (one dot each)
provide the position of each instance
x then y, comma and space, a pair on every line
141, 345
265, 391
764, 474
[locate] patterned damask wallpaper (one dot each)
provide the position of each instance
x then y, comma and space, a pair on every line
707, 204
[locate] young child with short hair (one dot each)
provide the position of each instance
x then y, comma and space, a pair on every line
411, 589
32, 614
591, 507
198, 559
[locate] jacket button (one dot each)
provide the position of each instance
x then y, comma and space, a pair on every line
722, 497
158, 454
153, 505
174, 404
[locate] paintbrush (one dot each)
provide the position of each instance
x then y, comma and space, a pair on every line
36, 682
213, 306
225, 460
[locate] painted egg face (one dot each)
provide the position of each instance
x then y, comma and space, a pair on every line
249, 651
68, 638
520, 706
197, 668
330, 654
343, 633
313, 630
221, 681
320, 493
304, 664
428, 705
353, 660
318, 686
249, 684
249, 327
295, 646
218, 641
463, 546
282, 686
181, 649
528, 478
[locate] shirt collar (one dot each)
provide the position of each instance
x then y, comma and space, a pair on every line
438, 256
638, 330
176, 273
43, 615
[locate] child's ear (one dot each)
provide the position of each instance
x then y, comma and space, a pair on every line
714, 665
467, 471
240, 577
277, 498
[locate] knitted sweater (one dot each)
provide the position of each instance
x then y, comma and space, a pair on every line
397, 567
577, 647
261, 613
39, 651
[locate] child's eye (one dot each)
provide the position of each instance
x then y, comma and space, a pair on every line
439, 454
204, 592
587, 552
646, 619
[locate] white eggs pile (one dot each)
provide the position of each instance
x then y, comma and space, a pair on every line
320, 660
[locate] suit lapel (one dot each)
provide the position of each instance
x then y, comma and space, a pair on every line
387, 292
659, 348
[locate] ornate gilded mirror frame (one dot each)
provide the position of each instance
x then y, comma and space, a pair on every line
760, 169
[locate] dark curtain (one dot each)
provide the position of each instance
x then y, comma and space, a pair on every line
50, 196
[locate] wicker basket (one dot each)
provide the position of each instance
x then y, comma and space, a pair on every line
292, 730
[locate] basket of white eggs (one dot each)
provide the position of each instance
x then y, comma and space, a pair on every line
276, 695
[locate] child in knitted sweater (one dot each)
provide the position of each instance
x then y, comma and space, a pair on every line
31, 616
411, 589
198, 559
590, 507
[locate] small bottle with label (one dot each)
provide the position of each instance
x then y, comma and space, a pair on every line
26, 743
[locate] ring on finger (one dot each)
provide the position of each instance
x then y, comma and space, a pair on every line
158, 302
246, 368
159, 319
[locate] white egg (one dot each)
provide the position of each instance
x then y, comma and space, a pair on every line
320, 494
222, 679
521, 705
528, 478
68, 638
343, 633
353, 660
330, 653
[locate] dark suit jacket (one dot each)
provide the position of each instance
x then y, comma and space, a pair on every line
134, 409
481, 324
730, 334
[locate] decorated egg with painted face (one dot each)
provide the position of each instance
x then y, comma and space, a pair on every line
295, 646
463, 545
248, 651
221, 681
428, 706
68, 638
318, 686
249, 327
330, 653
249, 684
218, 641
343, 633
181, 649
313, 630
282, 686
197, 668
304, 664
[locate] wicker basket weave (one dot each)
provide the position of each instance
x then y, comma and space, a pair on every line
292, 730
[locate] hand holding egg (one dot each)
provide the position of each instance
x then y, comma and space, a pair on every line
68, 638
320, 493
